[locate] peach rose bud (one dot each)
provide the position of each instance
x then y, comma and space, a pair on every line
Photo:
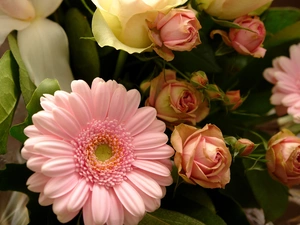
233, 99
177, 30
214, 92
283, 158
245, 146
199, 79
201, 155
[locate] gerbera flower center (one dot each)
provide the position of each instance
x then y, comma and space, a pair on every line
104, 153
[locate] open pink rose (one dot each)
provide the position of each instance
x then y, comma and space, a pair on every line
248, 42
283, 158
176, 101
177, 30
201, 155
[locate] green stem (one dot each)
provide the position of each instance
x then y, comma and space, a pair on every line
178, 71
87, 7
120, 64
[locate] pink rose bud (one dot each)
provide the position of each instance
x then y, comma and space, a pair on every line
176, 101
201, 155
283, 158
244, 146
233, 99
248, 42
177, 30
199, 79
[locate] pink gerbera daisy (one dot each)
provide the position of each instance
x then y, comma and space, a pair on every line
94, 150
285, 75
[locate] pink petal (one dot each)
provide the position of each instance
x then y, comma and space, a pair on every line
54, 148
101, 101
145, 183
87, 212
130, 199
80, 109
149, 140
152, 167
156, 126
35, 163
44, 201
67, 122
116, 214
141, 120
151, 204
162, 152
61, 99
161, 180
66, 217
130, 219
45, 123
117, 104
36, 182
31, 131
100, 204
133, 102
79, 196
57, 167
82, 88
59, 186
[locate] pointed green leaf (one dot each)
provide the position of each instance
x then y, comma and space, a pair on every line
9, 95
26, 85
84, 57
270, 194
47, 86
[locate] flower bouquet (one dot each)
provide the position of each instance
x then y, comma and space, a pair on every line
149, 112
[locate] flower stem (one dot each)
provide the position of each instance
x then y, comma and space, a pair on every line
120, 64
87, 7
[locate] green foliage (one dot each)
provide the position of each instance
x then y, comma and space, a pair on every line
26, 85
271, 195
85, 62
9, 96
47, 86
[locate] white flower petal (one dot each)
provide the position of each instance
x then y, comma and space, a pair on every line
45, 8
44, 49
9, 24
18, 9
105, 37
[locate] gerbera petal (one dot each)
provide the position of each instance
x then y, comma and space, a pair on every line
9, 24
101, 101
88, 212
44, 200
100, 204
57, 167
61, 100
153, 153
151, 204
46, 7
130, 219
31, 131
133, 101
82, 88
156, 126
116, 214
152, 167
59, 186
118, 103
66, 217
141, 120
66, 121
83, 116
126, 193
35, 163
36, 182
79, 196
44, 50
145, 183
54, 148
149, 140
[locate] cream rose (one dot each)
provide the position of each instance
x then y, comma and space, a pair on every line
122, 24
230, 9
201, 155
283, 158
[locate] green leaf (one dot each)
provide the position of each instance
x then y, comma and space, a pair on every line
9, 96
84, 57
276, 19
26, 85
200, 58
270, 194
168, 217
47, 86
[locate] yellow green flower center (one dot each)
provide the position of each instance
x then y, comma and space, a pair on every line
103, 152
